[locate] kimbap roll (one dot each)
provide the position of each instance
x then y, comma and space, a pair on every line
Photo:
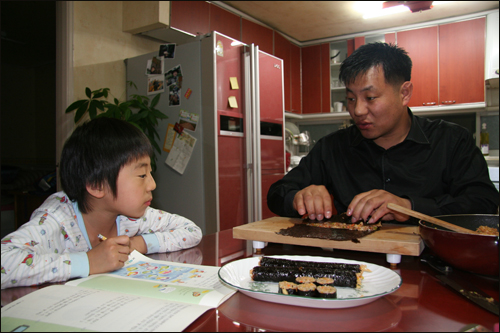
327, 292
307, 289
287, 288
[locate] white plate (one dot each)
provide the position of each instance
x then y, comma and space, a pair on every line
379, 282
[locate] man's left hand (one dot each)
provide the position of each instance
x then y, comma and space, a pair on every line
373, 205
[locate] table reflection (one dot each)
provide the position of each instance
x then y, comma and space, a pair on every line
375, 316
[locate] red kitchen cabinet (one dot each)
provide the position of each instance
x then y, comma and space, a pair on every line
461, 61
448, 62
296, 84
282, 51
225, 22
325, 78
316, 78
390, 38
422, 47
259, 35
311, 79
359, 41
190, 16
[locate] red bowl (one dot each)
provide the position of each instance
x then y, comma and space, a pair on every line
473, 253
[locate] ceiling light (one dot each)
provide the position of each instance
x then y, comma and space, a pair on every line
371, 9
386, 11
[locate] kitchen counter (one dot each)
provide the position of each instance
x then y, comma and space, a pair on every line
422, 303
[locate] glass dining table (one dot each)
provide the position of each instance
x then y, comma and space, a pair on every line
421, 303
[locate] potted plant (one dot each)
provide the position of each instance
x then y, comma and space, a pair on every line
145, 118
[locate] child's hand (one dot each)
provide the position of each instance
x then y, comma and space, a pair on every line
109, 255
138, 243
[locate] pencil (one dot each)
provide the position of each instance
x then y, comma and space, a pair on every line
101, 237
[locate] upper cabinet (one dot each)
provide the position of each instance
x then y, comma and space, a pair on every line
170, 21
295, 78
461, 61
258, 34
448, 62
311, 79
225, 22
190, 16
422, 47
282, 49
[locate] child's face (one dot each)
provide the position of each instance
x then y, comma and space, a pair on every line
134, 188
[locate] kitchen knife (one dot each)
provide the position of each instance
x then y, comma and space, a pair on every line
462, 286
472, 293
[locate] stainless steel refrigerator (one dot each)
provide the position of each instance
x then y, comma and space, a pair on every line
234, 93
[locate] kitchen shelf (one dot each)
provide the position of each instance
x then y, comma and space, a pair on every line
338, 89
336, 117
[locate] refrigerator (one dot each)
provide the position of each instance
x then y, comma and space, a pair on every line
234, 93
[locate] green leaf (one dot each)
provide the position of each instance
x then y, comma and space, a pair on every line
105, 92
81, 111
155, 100
139, 127
155, 145
159, 114
92, 111
98, 104
125, 106
98, 95
132, 84
75, 105
127, 114
116, 101
142, 114
88, 92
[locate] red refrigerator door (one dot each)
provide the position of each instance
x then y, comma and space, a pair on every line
231, 143
271, 118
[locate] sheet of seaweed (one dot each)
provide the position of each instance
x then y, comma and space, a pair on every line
306, 231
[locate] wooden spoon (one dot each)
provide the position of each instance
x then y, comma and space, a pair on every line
431, 219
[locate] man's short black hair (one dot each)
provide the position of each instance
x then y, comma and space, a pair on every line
95, 153
392, 59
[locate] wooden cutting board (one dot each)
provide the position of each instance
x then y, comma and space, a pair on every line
391, 238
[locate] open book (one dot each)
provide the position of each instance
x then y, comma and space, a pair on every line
144, 295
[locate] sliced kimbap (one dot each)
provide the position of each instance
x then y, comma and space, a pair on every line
307, 289
326, 292
287, 288
324, 281
305, 279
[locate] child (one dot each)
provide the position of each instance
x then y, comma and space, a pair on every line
105, 172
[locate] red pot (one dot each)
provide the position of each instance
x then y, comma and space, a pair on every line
473, 253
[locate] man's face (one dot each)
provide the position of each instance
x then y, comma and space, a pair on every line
378, 108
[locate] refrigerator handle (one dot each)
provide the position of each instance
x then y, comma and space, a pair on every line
257, 194
249, 168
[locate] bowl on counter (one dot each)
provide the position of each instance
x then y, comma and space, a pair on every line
471, 252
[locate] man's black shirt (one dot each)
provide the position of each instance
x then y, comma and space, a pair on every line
438, 167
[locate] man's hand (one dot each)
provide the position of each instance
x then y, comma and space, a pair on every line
109, 255
315, 201
374, 203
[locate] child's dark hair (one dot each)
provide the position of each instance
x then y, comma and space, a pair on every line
393, 60
94, 155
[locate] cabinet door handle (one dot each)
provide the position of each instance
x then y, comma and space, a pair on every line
429, 103
448, 102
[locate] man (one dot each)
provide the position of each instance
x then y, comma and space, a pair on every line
390, 155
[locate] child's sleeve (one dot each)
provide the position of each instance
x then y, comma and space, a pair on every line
38, 252
165, 232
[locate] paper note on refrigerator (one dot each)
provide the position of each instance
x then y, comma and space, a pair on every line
169, 138
234, 82
181, 152
232, 102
